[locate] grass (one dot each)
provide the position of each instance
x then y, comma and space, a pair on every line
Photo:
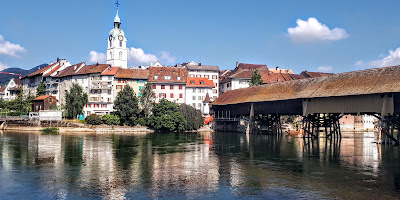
50, 131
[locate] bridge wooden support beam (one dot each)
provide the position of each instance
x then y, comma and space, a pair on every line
389, 124
329, 123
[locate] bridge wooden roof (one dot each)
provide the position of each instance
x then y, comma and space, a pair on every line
371, 81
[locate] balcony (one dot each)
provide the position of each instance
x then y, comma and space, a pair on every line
109, 87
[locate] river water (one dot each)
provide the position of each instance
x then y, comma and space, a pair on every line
196, 166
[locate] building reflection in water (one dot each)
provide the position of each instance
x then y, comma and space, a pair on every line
195, 165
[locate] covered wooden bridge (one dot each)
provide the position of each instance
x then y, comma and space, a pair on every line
321, 101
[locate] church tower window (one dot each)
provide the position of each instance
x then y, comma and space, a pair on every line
120, 55
120, 43
111, 55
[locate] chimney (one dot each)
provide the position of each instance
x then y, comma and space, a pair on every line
199, 63
51, 62
74, 67
237, 64
277, 68
58, 59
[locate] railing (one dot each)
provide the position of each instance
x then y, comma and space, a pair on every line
100, 87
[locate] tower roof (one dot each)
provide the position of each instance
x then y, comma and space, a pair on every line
117, 19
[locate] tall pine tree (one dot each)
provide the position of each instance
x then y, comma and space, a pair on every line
256, 79
75, 99
127, 107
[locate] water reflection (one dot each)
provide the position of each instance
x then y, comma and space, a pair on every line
191, 165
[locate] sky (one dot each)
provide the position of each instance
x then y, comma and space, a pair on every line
335, 36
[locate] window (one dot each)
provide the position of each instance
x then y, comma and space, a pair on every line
162, 86
120, 55
214, 77
111, 55
180, 95
50, 100
193, 98
201, 82
194, 90
154, 86
206, 76
198, 76
162, 95
155, 77
201, 90
215, 91
172, 95
179, 78
193, 105
192, 82
171, 87
199, 105
191, 75
120, 43
140, 81
140, 87
167, 77
105, 105
139, 94
180, 87
216, 84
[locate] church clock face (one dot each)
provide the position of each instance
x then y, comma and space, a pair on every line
120, 37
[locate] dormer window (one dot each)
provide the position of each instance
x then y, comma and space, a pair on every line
155, 77
192, 82
202, 82
167, 77
179, 78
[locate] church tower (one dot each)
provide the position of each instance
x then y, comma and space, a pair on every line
117, 53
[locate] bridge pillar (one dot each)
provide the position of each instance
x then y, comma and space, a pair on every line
329, 123
389, 123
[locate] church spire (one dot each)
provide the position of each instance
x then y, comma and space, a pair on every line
117, 20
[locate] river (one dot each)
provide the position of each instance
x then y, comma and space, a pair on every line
196, 166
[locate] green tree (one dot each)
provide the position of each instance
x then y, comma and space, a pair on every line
126, 106
41, 89
147, 100
194, 118
166, 117
75, 99
256, 79
111, 119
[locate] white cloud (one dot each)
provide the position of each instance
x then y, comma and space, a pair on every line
10, 49
166, 57
312, 30
137, 56
325, 69
3, 66
390, 60
97, 57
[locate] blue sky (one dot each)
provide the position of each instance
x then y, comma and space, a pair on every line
335, 36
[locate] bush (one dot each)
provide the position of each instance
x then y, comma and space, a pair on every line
93, 119
111, 119
50, 131
143, 122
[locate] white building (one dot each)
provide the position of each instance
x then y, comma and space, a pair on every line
169, 83
11, 90
117, 53
196, 91
208, 72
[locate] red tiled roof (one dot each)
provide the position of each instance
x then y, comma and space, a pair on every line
243, 71
2, 88
90, 69
314, 74
52, 71
68, 71
174, 72
110, 71
196, 82
124, 73
141, 74
41, 71
207, 99
18, 81
44, 97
